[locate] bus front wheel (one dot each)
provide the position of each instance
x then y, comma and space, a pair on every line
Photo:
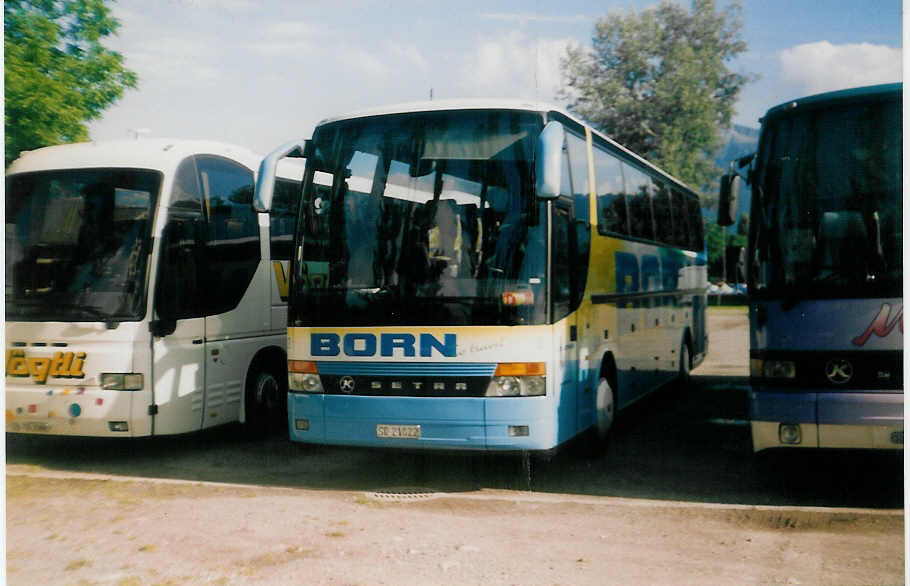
264, 406
606, 408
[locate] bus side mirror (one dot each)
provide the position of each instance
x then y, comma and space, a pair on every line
162, 327
268, 169
727, 199
548, 160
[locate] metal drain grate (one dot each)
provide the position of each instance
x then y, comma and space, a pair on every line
402, 494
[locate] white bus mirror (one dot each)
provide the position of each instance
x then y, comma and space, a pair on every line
548, 160
265, 179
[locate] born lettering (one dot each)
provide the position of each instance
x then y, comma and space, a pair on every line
386, 345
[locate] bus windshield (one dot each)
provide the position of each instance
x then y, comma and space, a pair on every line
77, 244
423, 219
827, 221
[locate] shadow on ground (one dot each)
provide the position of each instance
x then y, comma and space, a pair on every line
693, 446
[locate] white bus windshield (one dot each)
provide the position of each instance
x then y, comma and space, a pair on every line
77, 244
423, 218
828, 219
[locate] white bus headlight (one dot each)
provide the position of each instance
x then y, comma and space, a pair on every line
303, 377
306, 383
120, 381
504, 386
518, 379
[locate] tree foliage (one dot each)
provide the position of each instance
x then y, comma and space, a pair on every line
658, 82
58, 76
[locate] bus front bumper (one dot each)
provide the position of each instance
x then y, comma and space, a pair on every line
823, 419
494, 424
59, 410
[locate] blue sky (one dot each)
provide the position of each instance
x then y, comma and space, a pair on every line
260, 73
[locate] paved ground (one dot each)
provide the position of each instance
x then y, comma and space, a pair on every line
677, 498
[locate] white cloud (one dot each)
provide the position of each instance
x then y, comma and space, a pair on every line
408, 54
823, 66
364, 62
515, 66
526, 17
176, 61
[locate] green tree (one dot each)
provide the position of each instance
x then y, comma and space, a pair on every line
58, 76
658, 82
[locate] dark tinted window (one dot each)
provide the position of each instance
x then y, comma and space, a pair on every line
179, 290
681, 227
696, 224
561, 264
283, 217
232, 234
611, 200
639, 198
663, 219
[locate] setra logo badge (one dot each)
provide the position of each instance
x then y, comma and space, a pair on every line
346, 384
62, 365
839, 371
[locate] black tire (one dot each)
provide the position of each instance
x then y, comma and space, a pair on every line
266, 404
684, 377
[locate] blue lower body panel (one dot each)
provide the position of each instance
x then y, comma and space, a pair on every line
825, 419
835, 408
444, 423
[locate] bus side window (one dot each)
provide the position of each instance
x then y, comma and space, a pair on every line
696, 224
282, 218
611, 200
663, 220
639, 198
681, 228
178, 294
232, 235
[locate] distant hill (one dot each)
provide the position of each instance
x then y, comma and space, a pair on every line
735, 143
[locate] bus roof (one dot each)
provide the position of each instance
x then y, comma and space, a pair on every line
442, 105
147, 153
494, 104
846, 95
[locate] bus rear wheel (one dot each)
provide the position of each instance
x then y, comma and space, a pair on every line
685, 367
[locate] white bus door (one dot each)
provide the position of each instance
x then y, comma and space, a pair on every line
566, 332
179, 325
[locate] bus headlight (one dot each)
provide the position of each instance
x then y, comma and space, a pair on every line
772, 368
504, 386
303, 377
518, 379
306, 383
121, 381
